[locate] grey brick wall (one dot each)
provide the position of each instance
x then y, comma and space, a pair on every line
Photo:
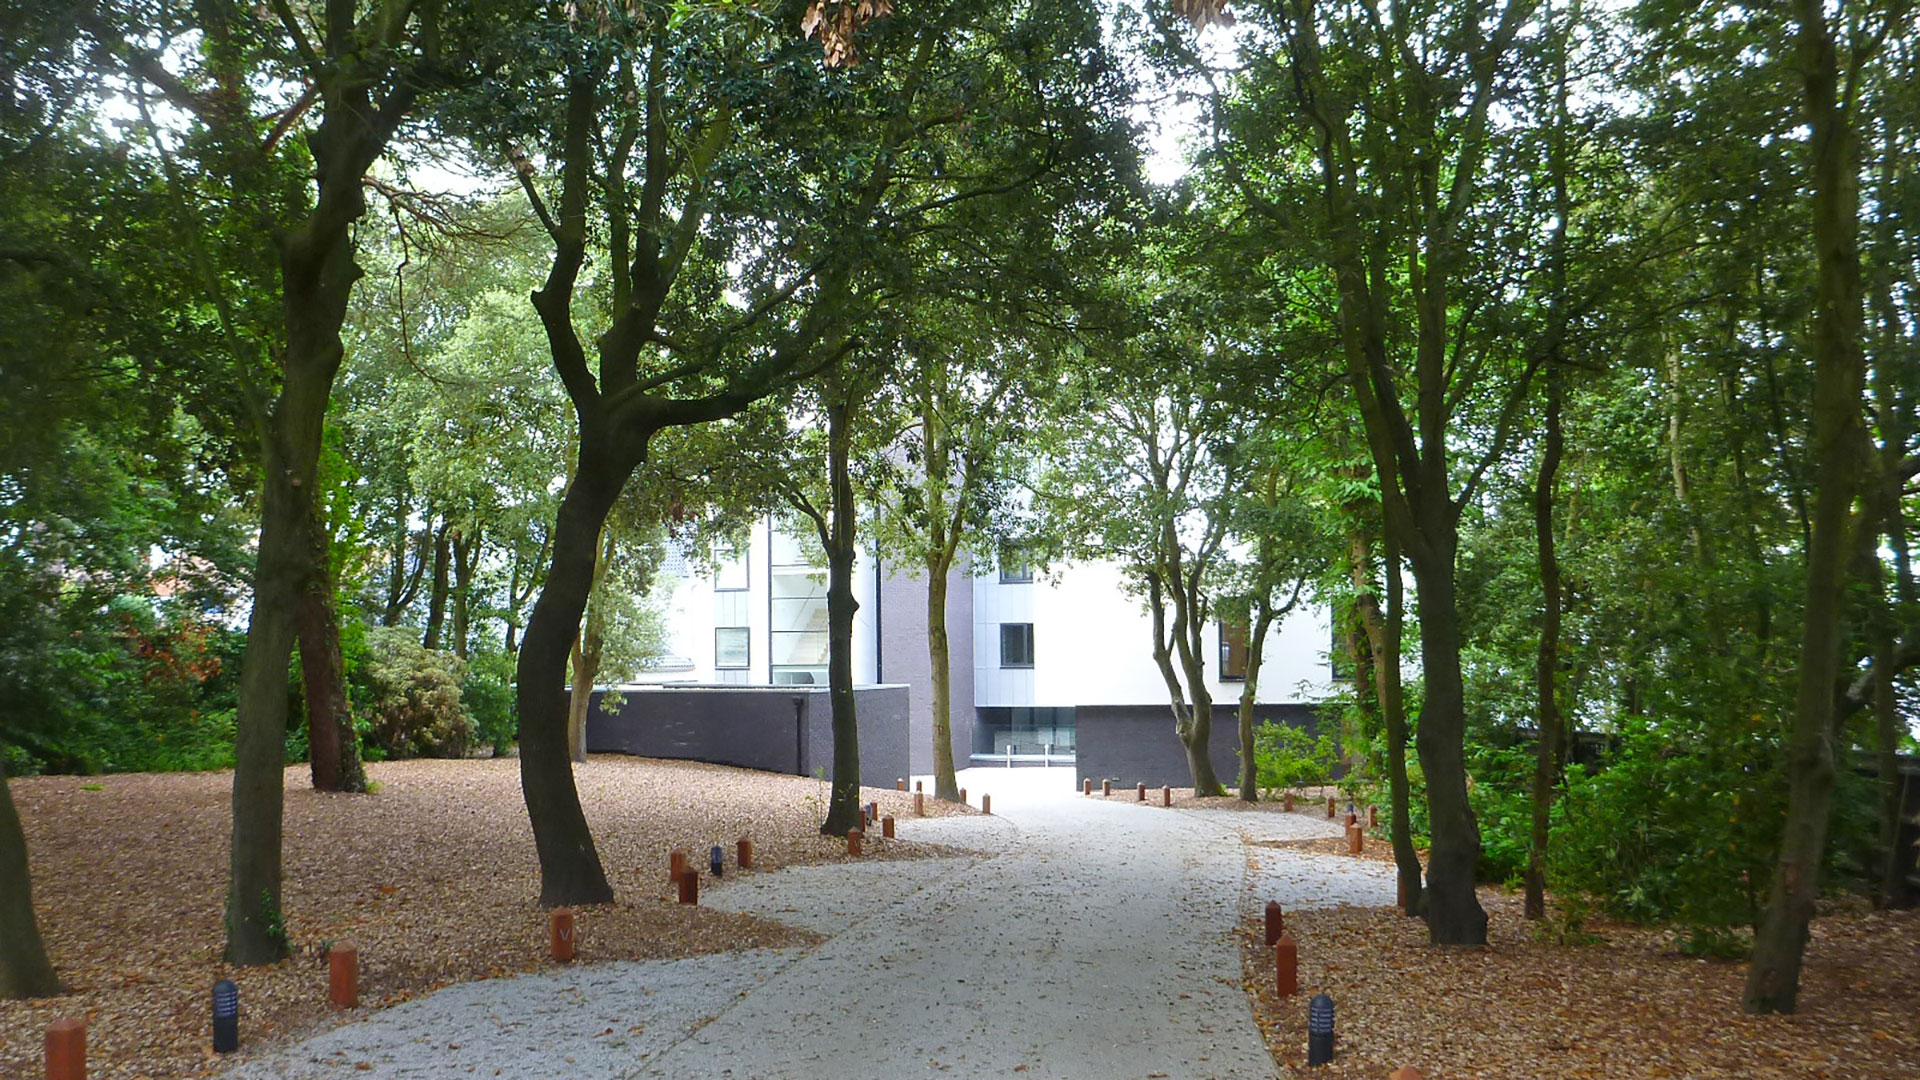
1131, 743
903, 659
787, 729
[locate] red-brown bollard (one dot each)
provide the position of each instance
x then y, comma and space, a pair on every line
886, 826
1356, 839
1286, 967
986, 804
1405, 1072
690, 886
676, 863
854, 836
1086, 786
919, 785
67, 1049
1106, 787
560, 935
343, 976
743, 853
899, 785
1166, 795
1143, 791
1352, 819
919, 804
1286, 802
963, 795
1276, 922
1373, 817
1329, 808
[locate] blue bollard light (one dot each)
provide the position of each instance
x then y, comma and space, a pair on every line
1319, 1030
226, 1017
716, 860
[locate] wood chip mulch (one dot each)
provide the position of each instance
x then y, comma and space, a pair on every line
433, 877
1625, 1008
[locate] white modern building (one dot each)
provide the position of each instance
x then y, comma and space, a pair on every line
1035, 657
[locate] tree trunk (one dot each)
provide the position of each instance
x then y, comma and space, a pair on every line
332, 745
465, 548
1548, 753
843, 806
1249, 691
437, 597
570, 870
940, 657
24, 969
588, 647
1779, 946
1454, 915
1383, 638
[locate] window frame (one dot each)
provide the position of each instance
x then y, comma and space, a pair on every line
1017, 665
1225, 629
746, 637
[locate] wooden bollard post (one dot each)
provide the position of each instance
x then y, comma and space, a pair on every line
1166, 795
900, 785
1356, 839
919, 785
67, 1049
963, 795
1329, 808
743, 853
919, 804
676, 863
343, 976
690, 886
886, 826
1143, 791
854, 836
1086, 786
1276, 922
1352, 819
986, 803
560, 935
1286, 802
1106, 788
1286, 967
1373, 817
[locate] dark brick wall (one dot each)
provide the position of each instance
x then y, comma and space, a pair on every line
903, 659
787, 729
1131, 743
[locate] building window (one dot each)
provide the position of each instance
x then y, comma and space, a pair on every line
1014, 568
730, 647
1016, 645
1233, 649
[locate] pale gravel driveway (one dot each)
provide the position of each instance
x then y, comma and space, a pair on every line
1085, 938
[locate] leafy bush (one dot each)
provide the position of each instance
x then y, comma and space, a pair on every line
487, 691
413, 706
1286, 756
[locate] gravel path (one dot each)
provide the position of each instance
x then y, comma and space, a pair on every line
1085, 937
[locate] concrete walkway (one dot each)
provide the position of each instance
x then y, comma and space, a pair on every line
1083, 938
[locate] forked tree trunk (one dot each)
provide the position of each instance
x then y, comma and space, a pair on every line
465, 550
1779, 946
333, 747
843, 806
24, 969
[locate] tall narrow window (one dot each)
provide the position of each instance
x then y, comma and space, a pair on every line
1233, 649
730, 573
1016, 645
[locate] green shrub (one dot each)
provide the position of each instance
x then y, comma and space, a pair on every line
1286, 756
487, 691
413, 706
